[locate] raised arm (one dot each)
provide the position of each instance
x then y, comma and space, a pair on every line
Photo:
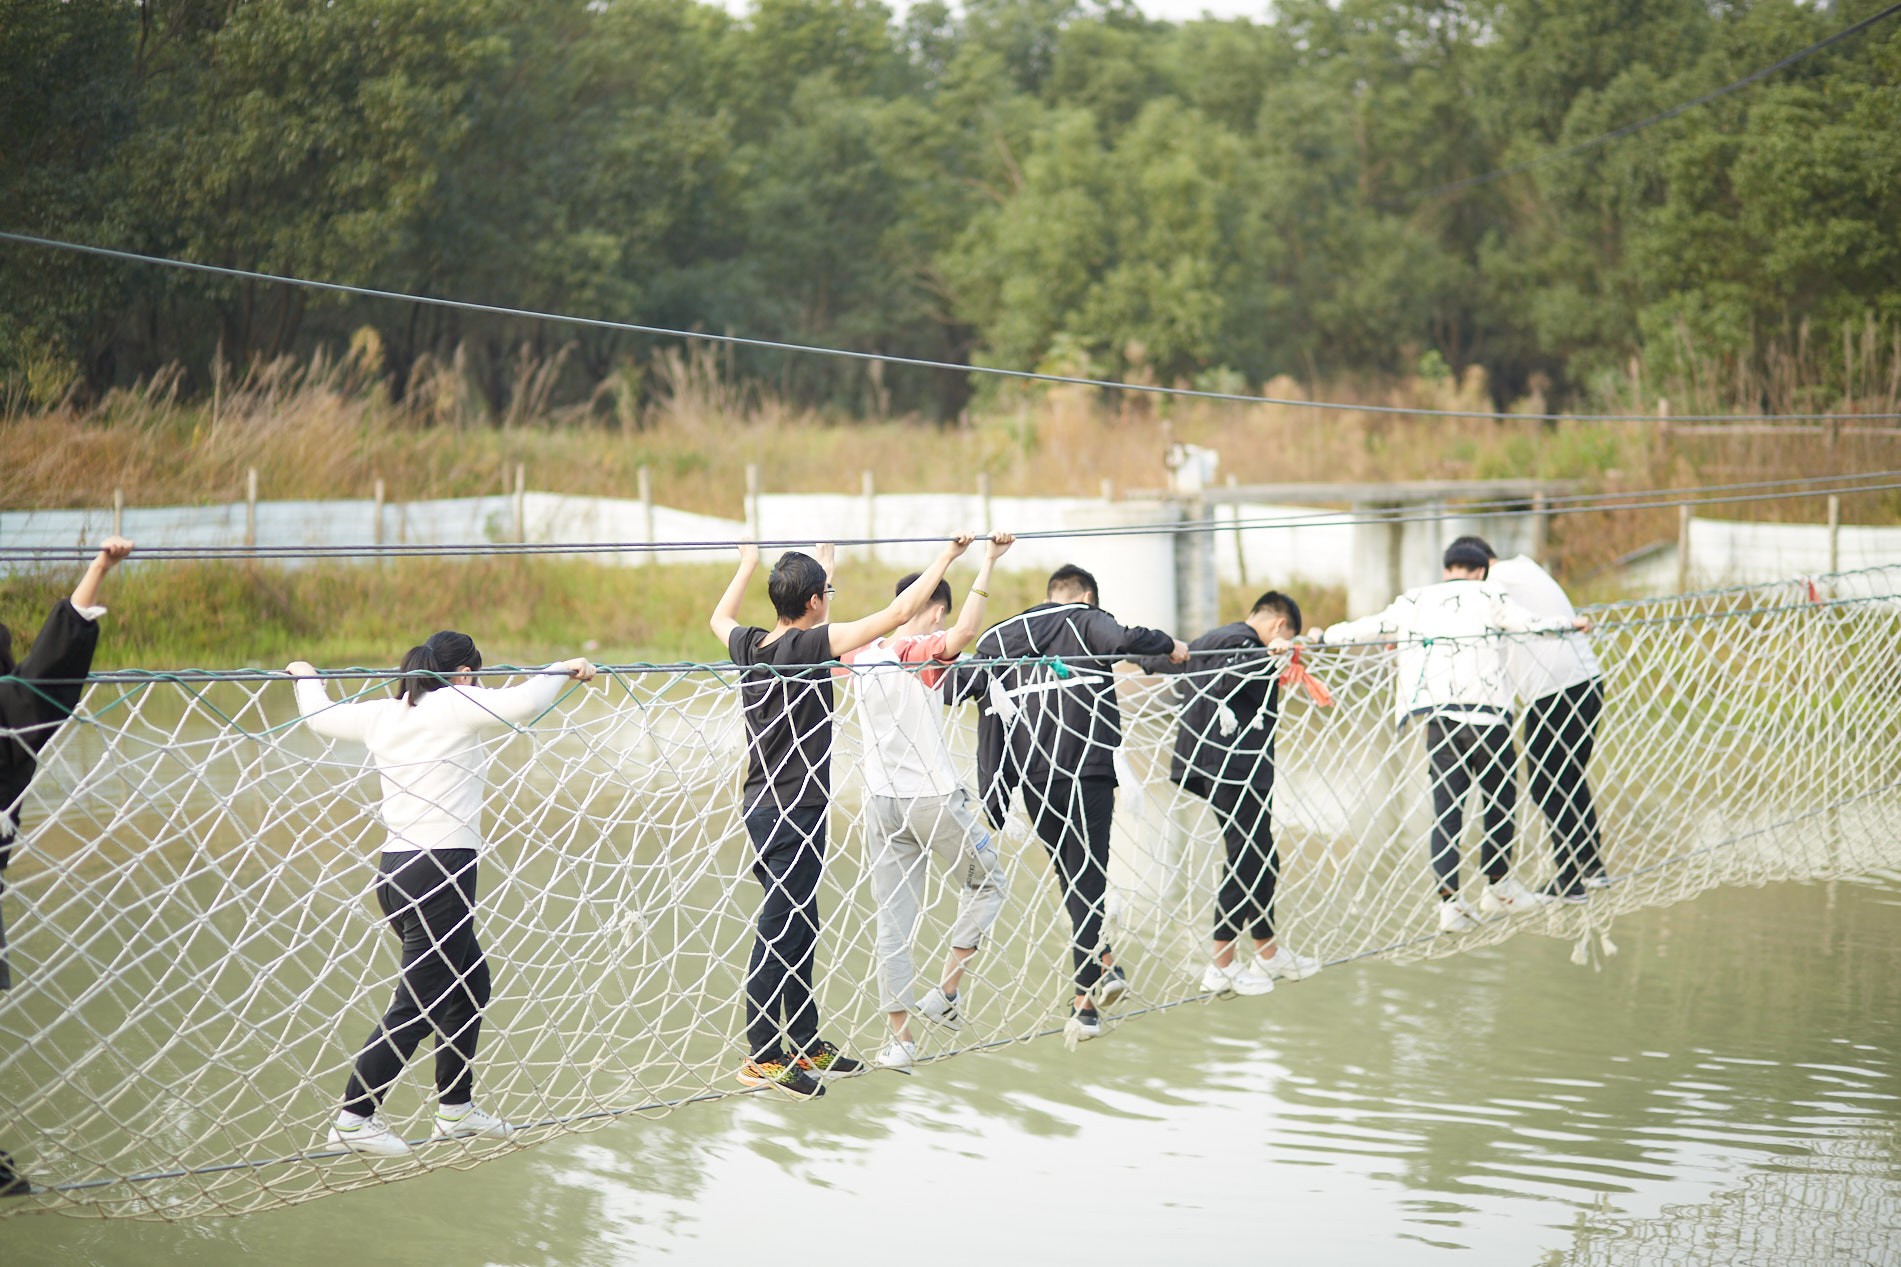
726, 611
517, 705
971, 618
853, 634
331, 720
111, 554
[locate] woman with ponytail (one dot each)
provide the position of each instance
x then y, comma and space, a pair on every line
428, 747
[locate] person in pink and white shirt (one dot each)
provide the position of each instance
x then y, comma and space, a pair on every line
917, 807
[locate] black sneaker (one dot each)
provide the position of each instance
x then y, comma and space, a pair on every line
12, 1182
1110, 986
827, 1061
1085, 1023
781, 1074
1576, 895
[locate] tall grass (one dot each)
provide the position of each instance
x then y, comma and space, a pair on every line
328, 428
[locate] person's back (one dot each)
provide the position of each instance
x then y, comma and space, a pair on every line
787, 702
1229, 698
431, 756
905, 752
1542, 666
1450, 661
1059, 709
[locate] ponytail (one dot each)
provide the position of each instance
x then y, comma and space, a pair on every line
420, 675
428, 666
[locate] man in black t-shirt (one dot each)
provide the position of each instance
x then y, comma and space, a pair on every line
786, 701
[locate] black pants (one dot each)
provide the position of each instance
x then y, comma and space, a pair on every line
1560, 735
789, 857
429, 897
1072, 818
1462, 755
1252, 868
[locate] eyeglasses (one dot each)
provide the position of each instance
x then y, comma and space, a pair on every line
830, 590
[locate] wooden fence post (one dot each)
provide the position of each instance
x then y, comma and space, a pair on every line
643, 479
250, 507
1683, 549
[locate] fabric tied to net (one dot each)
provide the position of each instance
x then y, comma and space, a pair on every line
197, 950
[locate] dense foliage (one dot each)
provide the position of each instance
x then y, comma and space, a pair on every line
1032, 183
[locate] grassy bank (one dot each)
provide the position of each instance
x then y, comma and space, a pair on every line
519, 611
313, 431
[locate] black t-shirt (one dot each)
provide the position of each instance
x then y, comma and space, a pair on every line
788, 712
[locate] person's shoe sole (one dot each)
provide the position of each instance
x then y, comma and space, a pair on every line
1110, 990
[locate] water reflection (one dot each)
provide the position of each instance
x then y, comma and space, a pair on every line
1725, 1091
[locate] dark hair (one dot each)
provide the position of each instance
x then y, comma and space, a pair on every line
1469, 552
796, 580
1277, 602
427, 667
940, 596
1480, 542
6, 651
1072, 577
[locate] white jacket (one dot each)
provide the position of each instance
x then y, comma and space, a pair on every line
431, 757
1543, 666
1451, 658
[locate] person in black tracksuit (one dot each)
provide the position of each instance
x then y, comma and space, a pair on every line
1229, 691
1049, 726
37, 694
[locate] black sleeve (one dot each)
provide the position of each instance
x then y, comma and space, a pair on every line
739, 644
1130, 641
58, 664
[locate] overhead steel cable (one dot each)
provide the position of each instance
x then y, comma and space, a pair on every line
1630, 129
913, 362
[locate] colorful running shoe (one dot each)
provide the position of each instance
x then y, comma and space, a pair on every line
827, 1061
780, 1074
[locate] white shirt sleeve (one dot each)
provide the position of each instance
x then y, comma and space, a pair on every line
90, 613
331, 720
1384, 627
1513, 618
478, 707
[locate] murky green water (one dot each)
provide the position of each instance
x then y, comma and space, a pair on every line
1726, 1091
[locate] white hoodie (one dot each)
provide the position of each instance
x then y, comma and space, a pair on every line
431, 757
1451, 659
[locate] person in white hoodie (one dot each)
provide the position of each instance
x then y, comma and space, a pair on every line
429, 751
1452, 676
1562, 686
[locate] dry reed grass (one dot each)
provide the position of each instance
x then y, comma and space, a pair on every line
329, 428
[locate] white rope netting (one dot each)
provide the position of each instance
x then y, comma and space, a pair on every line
197, 955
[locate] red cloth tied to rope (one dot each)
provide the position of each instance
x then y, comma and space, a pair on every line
1296, 675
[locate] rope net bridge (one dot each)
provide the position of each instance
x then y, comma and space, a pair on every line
198, 955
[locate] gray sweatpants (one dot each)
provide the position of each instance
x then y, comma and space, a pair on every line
903, 832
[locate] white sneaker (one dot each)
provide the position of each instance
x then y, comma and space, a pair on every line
1216, 979
898, 1054
1508, 897
370, 1136
940, 1009
1455, 916
1286, 965
1597, 880
471, 1121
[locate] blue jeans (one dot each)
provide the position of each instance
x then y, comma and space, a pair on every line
789, 857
